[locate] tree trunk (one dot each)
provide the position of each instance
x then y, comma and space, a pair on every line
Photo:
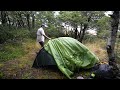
9, 22
21, 20
3, 17
112, 39
83, 32
33, 21
18, 23
76, 31
79, 35
84, 29
28, 21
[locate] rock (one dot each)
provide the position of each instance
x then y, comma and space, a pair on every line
104, 71
80, 77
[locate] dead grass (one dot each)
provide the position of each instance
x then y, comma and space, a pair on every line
99, 49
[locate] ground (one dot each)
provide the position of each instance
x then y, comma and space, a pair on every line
21, 68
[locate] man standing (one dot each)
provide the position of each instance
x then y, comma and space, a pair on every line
41, 35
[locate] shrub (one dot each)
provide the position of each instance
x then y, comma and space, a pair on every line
90, 38
12, 34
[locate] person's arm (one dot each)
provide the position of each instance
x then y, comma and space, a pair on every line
43, 33
46, 36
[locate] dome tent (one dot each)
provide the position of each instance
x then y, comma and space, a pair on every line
67, 53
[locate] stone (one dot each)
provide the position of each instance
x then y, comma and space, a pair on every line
80, 77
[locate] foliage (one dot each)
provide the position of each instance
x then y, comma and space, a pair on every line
103, 26
72, 18
52, 31
4, 34
13, 34
31, 20
84, 19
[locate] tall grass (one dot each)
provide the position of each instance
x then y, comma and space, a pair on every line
117, 50
9, 52
15, 43
98, 47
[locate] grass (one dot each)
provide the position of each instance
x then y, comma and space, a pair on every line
16, 61
117, 50
9, 52
98, 48
20, 67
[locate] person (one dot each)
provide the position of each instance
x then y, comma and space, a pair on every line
41, 35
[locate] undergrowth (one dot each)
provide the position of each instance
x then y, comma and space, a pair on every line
98, 47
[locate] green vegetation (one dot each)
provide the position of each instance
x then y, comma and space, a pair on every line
18, 44
20, 67
10, 52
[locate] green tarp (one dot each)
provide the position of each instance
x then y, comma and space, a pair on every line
70, 55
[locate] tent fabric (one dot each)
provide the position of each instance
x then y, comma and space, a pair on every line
70, 55
43, 58
67, 53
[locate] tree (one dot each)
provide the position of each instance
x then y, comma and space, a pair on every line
33, 19
4, 17
28, 19
90, 18
112, 40
71, 18
103, 26
80, 18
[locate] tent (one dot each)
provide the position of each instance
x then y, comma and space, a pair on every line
67, 53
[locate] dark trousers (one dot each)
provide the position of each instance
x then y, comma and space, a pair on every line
41, 43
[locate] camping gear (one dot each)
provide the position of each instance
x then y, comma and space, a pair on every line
103, 71
67, 53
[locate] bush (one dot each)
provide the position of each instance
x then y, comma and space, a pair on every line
90, 38
4, 34
12, 34
33, 33
54, 33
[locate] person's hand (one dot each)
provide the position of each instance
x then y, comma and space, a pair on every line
49, 38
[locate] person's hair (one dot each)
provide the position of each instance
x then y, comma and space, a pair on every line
42, 25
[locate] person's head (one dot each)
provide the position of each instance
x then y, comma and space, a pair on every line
43, 26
